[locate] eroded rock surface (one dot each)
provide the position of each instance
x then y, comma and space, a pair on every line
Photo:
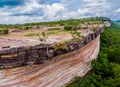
55, 73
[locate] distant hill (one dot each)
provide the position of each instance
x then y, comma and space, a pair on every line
118, 21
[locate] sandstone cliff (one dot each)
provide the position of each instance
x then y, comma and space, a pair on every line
55, 73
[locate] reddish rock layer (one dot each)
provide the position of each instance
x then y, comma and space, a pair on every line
53, 73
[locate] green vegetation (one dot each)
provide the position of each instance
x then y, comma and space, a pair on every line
54, 32
94, 29
61, 45
70, 22
43, 37
61, 26
106, 69
32, 34
4, 31
27, 27
76, 35
68, 27
53, 29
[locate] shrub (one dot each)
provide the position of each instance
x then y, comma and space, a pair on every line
37, 27
94, 29
43, 37
61, 45
76, 35
4, 31
52, 29
68, 27
26, 28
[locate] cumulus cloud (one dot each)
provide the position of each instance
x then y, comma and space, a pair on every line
90, 8
19, 19
28, 7
117, 10
51, 10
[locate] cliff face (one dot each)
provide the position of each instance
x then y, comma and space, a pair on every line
27, 55
55, 73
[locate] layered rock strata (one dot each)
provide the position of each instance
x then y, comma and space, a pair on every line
55, 73
38, 54
47, 67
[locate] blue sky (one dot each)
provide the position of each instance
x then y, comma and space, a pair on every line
26, 11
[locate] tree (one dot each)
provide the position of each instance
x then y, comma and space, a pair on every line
43, 38
76, 35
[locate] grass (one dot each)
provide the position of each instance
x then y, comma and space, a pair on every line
32, 34
53, 29
53, 32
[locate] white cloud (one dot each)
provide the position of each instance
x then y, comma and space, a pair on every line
51, 11
28, 7
79, 13
96, 4
7, 13
91, 1
19, 19
117, 10
90, 8
55, 11
98, 7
